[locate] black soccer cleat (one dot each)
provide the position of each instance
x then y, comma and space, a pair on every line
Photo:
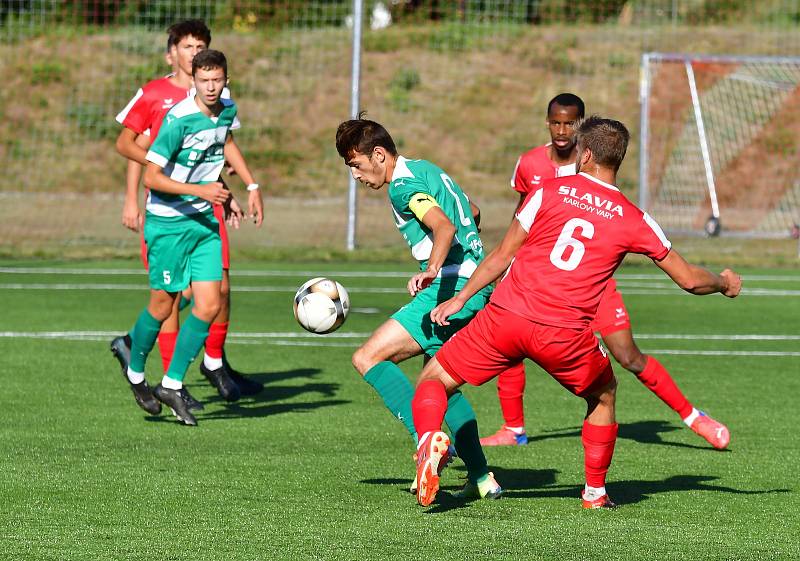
220, 379
121, 349
246, 385
175, 400
191, 402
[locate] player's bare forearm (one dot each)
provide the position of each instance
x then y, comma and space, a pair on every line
155, 179
443, 233
128, 147
235, 158
698, 280
131, 216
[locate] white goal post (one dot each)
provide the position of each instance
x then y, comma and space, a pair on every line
720, 144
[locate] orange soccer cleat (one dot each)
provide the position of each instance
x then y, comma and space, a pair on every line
713, 431
432, 455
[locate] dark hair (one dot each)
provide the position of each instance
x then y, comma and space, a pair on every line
197, 28
362, 135
606, 138
209, 59
567, 100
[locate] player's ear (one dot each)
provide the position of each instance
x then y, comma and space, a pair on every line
380, 154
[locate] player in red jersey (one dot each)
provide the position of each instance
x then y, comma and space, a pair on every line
567, 240
142, 119
557, 159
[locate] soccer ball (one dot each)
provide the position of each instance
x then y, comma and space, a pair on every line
321, 305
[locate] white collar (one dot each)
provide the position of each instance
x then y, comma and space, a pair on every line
603, 183
401, 169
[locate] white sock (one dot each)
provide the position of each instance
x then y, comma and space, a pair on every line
592, 493
516, 430
692, 416
212, 363
135, 377
171, 384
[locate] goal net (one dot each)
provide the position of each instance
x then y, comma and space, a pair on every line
720, 144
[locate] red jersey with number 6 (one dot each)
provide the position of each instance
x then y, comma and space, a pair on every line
579, 230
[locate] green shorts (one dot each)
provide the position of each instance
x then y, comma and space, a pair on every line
182, 250
415, 317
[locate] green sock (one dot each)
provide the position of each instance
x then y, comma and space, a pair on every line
395, 390
183, 303
143, 337
464, 427
191, 338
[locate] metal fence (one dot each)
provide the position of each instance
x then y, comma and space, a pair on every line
462, 82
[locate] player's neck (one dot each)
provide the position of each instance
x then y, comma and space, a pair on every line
208, 111
181, 79
391, 163
562, 159
606, 175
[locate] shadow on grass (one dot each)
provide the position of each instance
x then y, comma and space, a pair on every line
644, 432
272, 400
522, 483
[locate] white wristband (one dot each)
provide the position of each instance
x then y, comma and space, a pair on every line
252, 187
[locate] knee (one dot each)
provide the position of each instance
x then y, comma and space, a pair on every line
206, 310
363, 360
630, 358
160, 308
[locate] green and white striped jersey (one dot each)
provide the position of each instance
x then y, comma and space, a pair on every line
190, 149
412, 177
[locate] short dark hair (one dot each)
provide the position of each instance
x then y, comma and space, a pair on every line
197, 28
209, 59
567, 100
362, 135
606, 138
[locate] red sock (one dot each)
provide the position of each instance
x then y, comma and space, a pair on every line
598, 448
510, 389
658, 381
166, 346
217, 333
429, 406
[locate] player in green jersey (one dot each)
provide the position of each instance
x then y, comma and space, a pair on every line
436, 219
182, 234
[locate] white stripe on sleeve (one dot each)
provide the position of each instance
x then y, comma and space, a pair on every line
514, 175
124, 113
650, 221
527, 215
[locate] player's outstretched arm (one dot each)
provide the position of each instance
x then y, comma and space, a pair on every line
443, 231
235, 158
487, 272
127, 146
698, 280
155, 179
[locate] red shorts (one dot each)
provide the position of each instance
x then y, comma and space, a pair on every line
219, 214
611, 313
497, 339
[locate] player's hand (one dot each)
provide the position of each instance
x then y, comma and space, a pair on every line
233, 213
446, 309
255, 206
421, 281
131, 216
733, 283
214, 192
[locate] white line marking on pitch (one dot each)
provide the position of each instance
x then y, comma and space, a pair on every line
342, 274
653, 291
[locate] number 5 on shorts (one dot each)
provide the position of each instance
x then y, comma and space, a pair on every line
167, 278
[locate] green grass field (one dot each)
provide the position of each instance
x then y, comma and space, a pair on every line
315, 468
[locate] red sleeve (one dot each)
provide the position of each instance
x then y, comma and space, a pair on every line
649, 239
520, 181
138, 116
